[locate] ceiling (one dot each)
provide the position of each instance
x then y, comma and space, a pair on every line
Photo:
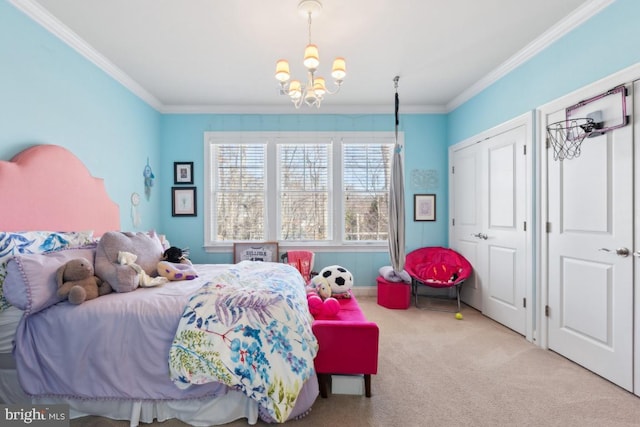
219, 56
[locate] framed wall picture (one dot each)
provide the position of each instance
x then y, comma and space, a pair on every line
255, 251
183, 172
424, 207
183, 201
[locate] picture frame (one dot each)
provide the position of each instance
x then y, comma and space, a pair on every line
182, 173
183, 201
424, 207
255, 251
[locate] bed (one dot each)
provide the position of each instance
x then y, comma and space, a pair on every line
205, 351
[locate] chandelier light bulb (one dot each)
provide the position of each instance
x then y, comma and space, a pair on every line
339, 70
295, 89
319, 88
311, 57
282, 70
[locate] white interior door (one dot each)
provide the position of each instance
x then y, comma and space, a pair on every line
504, 230
488, 205
636, 253
590, 279
467, 204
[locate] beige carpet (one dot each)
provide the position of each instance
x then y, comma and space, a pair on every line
435, 370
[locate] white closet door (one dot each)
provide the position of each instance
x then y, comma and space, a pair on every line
590, 280
636, 219
504, 236
467, 204
488, 207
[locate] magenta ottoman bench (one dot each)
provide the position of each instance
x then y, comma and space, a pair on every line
396, 295
348, 345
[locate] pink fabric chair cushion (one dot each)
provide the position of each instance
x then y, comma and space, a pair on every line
437, 266
302, 261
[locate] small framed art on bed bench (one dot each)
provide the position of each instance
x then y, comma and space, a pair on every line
255, 251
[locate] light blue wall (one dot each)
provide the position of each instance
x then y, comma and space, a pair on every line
425, 148
605, 44
49, 94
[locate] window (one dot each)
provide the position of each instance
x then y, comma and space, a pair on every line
366, 173
239, 192
311, 188
303, 208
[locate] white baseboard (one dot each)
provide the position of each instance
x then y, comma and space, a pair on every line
365, 291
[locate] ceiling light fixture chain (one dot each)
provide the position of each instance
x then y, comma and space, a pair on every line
312, 93
309, 27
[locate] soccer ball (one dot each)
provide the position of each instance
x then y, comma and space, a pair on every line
339, 278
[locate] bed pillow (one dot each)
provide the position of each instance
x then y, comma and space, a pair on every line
31, 285
35, 242
123, 278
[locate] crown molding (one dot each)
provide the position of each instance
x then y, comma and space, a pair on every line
566, 25
290, 109
40, 15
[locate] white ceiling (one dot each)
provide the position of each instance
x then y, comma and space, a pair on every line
219, 56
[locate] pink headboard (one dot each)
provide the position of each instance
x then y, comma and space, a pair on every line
46, 187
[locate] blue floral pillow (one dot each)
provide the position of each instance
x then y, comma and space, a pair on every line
35, 242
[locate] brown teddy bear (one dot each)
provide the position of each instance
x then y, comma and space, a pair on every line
77, 282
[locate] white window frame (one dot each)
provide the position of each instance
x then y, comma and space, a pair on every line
336, 244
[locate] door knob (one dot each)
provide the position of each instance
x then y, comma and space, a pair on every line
623, 252
480, 236
636, 254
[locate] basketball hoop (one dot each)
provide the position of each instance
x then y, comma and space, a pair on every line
566, 136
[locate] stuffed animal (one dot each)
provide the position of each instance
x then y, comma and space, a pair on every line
123, 278
144, 281
323, 308
340, 280
77, 282
176, 255
319, 286
321, 304
175, 265
176, 271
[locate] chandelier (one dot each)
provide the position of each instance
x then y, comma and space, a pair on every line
313, 91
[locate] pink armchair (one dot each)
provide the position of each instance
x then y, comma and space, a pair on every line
348, 345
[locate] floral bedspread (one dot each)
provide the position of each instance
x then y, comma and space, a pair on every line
249, 328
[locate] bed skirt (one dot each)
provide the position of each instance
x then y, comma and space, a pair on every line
196, 412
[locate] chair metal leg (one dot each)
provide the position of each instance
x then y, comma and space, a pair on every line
414, 287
